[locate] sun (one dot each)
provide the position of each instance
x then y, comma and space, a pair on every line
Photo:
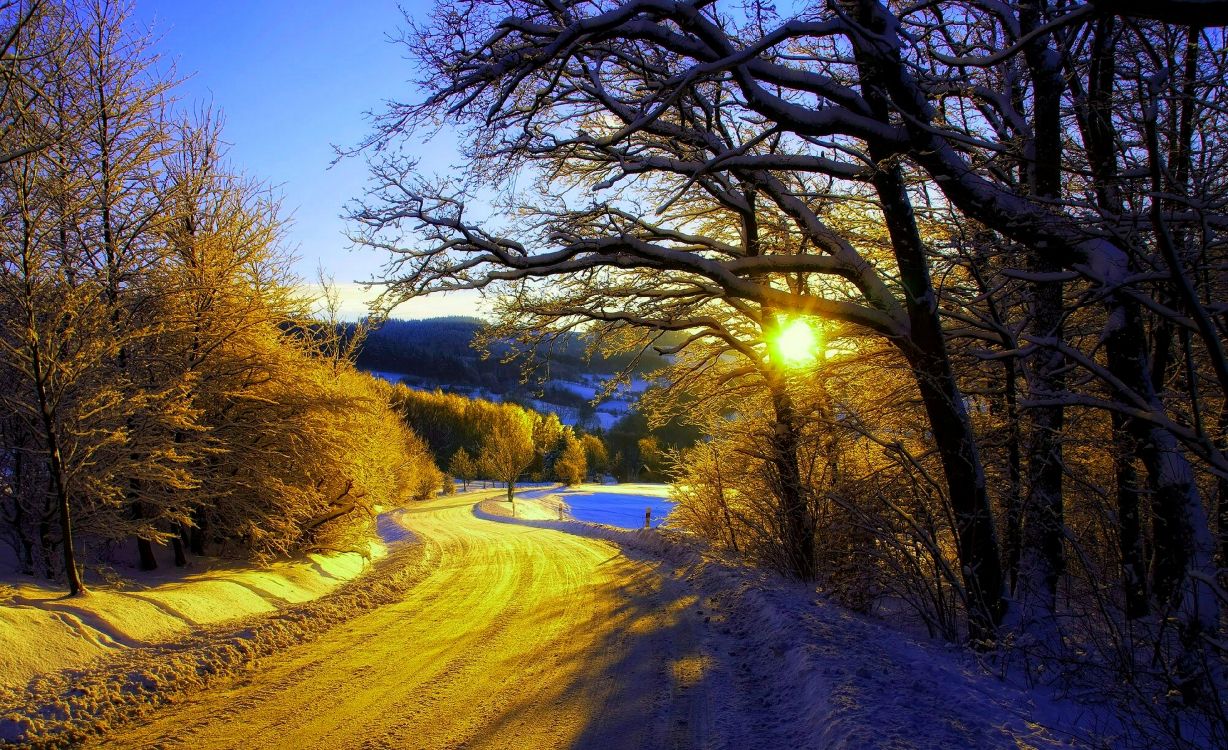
795, 344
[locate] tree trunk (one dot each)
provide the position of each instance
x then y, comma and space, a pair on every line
55, 464
1182, 542
1014, 463
144, 548
23, 535
798, 523
976, 537
1221, 490
196, 535
1130, 528
181, 558
145, 553
48, 545
64, 511
926, 351
1042, 561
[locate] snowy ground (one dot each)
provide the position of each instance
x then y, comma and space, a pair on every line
529, 632
621, 505
826, 677
61, 707
43, 630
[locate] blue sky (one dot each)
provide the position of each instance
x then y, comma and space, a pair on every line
292, 78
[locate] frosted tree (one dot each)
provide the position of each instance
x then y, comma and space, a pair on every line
571, 465
463, 467
905, 109
507, 449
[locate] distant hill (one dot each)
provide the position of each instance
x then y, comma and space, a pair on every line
435, 350
435, 353
439, 349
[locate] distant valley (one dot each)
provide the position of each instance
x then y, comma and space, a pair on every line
436, 354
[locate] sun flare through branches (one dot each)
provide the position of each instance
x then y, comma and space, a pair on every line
795, 344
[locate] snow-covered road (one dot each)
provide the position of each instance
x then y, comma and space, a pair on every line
520, 637
531, 633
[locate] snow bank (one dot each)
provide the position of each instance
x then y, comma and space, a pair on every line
116, 655
42, 630
829, 678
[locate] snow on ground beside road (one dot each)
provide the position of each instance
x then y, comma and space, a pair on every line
830, 678
619, 505
62, 706
43, 630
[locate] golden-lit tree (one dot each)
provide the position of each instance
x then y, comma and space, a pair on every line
596, 457
572, 465
463, 467
161, 377
507, 448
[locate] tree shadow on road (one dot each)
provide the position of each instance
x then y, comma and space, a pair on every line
660, 676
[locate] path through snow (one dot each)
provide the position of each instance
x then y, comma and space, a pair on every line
534, 633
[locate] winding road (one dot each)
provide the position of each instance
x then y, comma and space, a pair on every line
518, 637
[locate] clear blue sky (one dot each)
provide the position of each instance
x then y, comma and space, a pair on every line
293, 77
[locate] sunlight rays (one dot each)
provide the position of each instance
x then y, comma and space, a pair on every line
795, 344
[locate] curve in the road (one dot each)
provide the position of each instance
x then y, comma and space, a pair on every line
520, 637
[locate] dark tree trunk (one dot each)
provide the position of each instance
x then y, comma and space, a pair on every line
144, 548
975, 533
181, 558
1042, 561
1014, 463
27, 543
977, 537
926, 351
1100, 135
798, 523
71, 574
1129, 521
1221, 491
196, 535
55, 467
1181, 543
48, 545
145, 553
1169, 476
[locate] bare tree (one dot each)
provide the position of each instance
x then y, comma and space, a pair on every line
956, 106
595, 130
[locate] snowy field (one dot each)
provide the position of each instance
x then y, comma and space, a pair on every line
621, 505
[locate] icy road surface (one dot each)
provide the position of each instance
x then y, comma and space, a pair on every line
520, 637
